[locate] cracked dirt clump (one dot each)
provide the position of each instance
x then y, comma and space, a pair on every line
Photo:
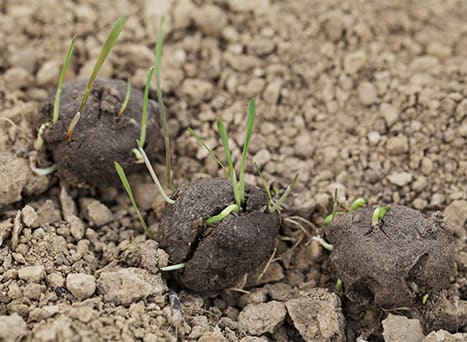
218, 255
100, 137
394, 263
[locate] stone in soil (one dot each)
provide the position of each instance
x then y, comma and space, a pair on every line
393, 263
100, 137
258, 319
12, 328
401, 329
81, 285
317, 316
218, 255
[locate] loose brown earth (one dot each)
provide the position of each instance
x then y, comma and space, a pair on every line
370, 98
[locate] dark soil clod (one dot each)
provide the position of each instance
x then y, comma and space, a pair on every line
218, 255
392, 264
100, 138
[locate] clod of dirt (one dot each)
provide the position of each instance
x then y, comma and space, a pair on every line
258, 319
317, 315
393, 263
401, 329
218, 255
100, 137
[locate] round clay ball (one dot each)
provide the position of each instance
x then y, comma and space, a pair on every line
218, 255
393, 263
101, 137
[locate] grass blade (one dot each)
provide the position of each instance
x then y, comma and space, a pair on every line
105, 50
210, 151
249, 132
154, 177
165, 129
144, 118
228, 156
126, 185
264, 183
284, 196
127, 99
72, 126
58, 95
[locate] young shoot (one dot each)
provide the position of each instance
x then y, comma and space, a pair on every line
233, 208
335, 205
105, 51
45, 171
165, 129
425, 298
173, 267
127, 99
209, 150
339, 285
273, 206
126, 185
144, 117
378, 215
326, 245
154, 177
358, 203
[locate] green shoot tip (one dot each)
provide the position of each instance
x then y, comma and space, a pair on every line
378, 214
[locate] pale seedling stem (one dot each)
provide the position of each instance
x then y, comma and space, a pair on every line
284, 196
45, 171
165, 129
263, 182
154, 177
127, 99
105, 50
173, 267
144, 118
72, 126
326, 245
126, 185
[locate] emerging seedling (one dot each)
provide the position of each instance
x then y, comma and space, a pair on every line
125, 102
378, 215
326, 245
358, 203
425, 298
105, 51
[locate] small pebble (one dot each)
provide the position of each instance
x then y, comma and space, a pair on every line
400, 178
32, 273
81, 285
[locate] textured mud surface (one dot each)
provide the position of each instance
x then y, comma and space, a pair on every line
393, 263
101, 137
218, 255
366, 96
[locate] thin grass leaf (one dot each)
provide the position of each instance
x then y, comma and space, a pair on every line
228, 156
173, 267
246, 143
58, 95
154, 177
165, 129
45, 171
209, 150
223, 214
284, 196
127, 99
126, 185
144, 118
105, 50
264, 183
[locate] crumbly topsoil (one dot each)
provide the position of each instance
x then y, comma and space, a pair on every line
216, 255
100, 138
393, 263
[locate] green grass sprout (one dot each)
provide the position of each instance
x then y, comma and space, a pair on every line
39, 140
126, 185
56, 111
105, 50
45, 171
233, 176
233, 208
326, 245
378, 214
286, 194
358, 203
209, 150
335, 206
154, 177
425, 298
263, 182
339, 285
246, 144
165, 129
173, 267
144, 117
127, 99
